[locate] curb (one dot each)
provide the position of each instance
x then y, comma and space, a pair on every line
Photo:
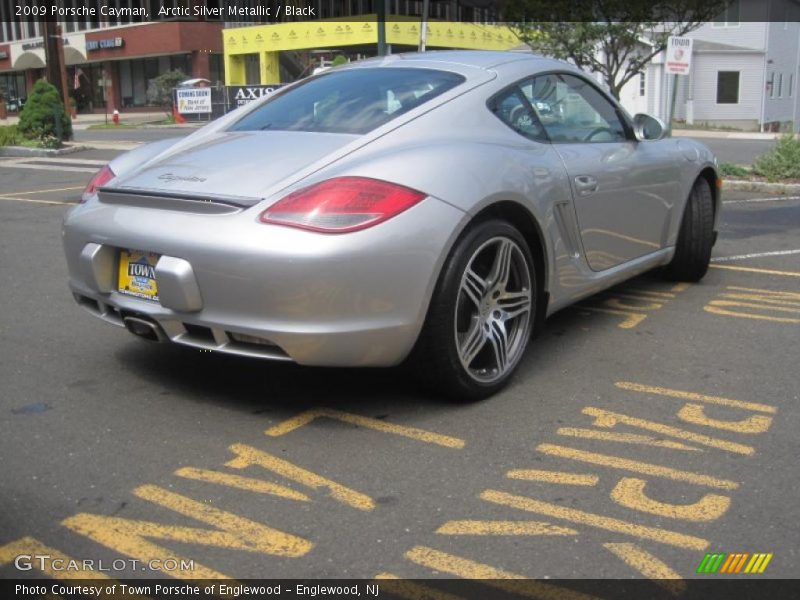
24, 152
741, 185
727, 135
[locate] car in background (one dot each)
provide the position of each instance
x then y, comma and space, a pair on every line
432, 208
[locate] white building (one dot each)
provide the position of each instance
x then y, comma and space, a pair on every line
745, 70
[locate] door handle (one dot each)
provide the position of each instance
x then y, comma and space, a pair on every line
585, 185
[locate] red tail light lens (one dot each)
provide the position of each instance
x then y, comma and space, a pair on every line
342, 204
102, 177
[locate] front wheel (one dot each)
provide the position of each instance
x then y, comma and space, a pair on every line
480, 319
696, 236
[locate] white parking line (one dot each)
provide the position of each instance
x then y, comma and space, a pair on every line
75, 165
34, 200
755, 255
756, 200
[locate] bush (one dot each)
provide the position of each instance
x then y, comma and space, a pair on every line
782, 162
9, 136
339, 59
160, 93
37, 120
731, 170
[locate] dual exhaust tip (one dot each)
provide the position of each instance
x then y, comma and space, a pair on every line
145, 329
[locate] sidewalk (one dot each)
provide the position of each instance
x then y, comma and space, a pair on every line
726, 135
83, 121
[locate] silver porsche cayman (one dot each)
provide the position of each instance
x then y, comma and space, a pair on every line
429, 207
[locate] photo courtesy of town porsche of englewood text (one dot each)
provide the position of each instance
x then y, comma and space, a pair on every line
408, 299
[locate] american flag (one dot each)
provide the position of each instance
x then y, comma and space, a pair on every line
77, 82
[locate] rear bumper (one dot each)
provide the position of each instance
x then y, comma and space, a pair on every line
230, 284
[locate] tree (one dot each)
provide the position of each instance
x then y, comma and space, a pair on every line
43, 117
615, 38
160, 93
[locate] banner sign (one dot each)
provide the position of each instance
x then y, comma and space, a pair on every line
239, 95
679, 55
192, 101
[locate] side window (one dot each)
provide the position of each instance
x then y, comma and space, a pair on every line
572, 110
512, 108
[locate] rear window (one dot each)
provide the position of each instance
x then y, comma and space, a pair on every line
350, 101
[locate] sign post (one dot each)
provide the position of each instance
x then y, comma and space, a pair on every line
678, 62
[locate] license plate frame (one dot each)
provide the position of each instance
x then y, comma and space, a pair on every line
136, 274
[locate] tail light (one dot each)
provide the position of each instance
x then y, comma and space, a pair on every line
342, 205
102, 177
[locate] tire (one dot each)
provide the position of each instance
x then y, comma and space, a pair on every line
481, 315
696, 236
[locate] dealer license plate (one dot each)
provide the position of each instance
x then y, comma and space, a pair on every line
137, 274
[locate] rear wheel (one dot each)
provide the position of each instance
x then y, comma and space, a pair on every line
696, 236
480, 318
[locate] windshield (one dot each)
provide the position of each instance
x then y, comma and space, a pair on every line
350, 101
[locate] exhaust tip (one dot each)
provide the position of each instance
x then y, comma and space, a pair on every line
145, 329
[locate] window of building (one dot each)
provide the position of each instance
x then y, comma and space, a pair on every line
780, 85
727, 87
642, 84
729, 17
791, 85
771, 85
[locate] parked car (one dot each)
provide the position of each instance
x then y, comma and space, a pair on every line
430, 207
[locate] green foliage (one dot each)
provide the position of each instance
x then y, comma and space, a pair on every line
9, 136
616, 38
160, 93
731, 170
43, 109
782, 162
339, 59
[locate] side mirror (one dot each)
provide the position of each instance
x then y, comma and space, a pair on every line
647, 128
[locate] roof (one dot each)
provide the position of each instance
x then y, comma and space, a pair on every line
704, 46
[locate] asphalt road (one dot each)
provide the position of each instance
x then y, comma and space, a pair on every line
740, 152
646, 427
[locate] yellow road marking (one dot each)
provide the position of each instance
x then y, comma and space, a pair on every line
619, 304
243, 483
553, 477
762, 292
624, 438
129, 537
35, 200
648, 565
421, 435
469, 527
662, 391
625, 464
629, 492
762, 567
695, 414
717, 307
247, 456
413, 591
631, 319
491, 576
606, 418
65, 189
754, 270
656, 534
33, 547
649, 292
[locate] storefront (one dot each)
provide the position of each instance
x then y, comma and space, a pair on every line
115, 67
254, 54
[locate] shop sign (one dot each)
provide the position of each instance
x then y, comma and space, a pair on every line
3, 55
239, 95
105, 44
193, 100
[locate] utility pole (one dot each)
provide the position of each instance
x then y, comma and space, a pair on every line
56, 68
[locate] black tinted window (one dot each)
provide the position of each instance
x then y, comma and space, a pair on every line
349, 101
